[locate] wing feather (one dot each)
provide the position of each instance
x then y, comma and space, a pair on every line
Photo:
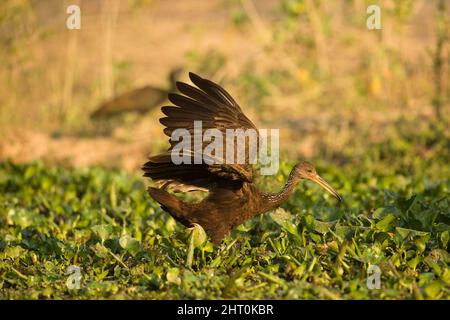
216, 109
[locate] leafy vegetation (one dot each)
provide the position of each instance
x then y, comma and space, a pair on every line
127, 247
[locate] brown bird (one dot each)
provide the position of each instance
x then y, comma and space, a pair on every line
139, 100
233, 197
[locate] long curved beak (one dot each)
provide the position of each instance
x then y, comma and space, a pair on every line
324, 184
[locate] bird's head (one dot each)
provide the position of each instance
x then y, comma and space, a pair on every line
305, 170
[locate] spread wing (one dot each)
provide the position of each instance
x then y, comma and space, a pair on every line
216, 109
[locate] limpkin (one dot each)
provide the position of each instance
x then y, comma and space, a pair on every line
140, 100
232, 196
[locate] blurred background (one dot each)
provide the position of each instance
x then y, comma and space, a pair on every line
336, 90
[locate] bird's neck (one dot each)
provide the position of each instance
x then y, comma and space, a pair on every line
274, 200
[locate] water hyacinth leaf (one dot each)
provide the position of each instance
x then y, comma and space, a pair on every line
208, 247
380, 213
386, 223
421, 242
405, 233
13, 252
173, 276
316, 238
130, 244
414, 262
425, 217
170, 224
20, 217
284, 220
405, 204
446, 276
308, 221
322, 226
104, 231
433, 289
344, 232
100, 250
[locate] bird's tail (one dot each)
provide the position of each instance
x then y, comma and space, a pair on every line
170, 203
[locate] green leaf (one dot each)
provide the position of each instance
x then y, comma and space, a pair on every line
13, 252
446, 276
197, 238
100, 250
173, 276
410, 233
198, 235
322, 226
344, 232
414, 262
426, 217
433, 289
130, 244
20, 217
405, 204
386, 223
285, 220
382, 212
309, 222
421, 243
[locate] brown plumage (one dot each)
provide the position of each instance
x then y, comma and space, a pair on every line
233, 197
